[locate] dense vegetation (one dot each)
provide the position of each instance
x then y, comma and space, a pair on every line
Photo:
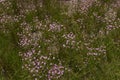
59, 40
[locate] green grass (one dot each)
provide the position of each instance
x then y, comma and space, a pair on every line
10, 63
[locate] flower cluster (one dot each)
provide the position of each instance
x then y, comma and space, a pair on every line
2, 0
69, 40
116, 4
111, 20
55, 72
96, 51
36, 58
85, 5
55, 27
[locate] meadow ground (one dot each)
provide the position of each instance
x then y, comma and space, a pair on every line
50, 40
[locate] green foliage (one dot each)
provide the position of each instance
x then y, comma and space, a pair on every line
10, 62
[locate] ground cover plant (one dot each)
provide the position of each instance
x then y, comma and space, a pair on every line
59, 40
